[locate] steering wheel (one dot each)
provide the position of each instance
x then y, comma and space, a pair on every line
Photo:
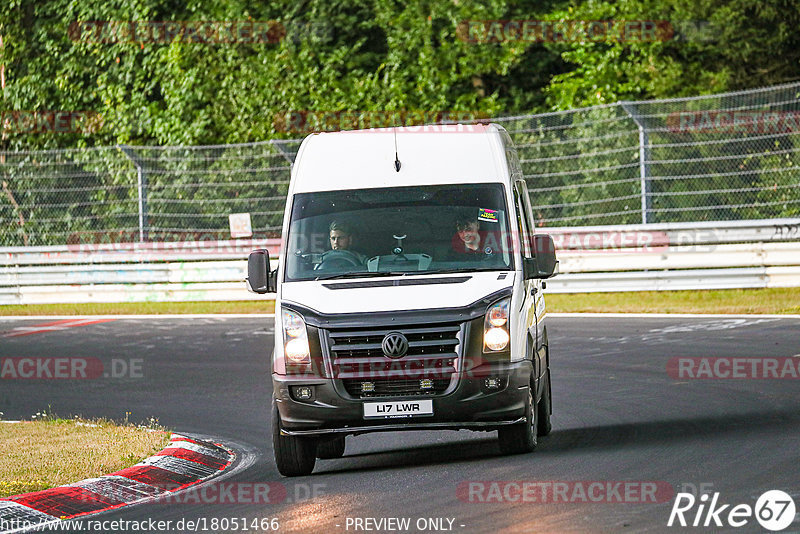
339, 258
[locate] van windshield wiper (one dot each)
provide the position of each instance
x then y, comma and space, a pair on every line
461, 271
376, 274
363, 274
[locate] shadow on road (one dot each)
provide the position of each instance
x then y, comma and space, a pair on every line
603, 437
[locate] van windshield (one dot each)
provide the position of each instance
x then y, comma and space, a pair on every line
398, 230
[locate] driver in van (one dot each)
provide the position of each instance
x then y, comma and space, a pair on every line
341, 238
340, 235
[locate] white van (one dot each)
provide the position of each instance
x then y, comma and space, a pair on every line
409, 292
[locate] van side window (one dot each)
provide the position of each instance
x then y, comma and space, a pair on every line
524, 228
526, 203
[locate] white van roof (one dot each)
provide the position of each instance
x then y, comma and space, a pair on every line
437, 154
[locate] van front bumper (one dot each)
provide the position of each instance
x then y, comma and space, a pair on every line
471, 405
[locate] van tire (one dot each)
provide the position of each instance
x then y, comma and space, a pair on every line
544, 426
521, 437
327, 450
294, 455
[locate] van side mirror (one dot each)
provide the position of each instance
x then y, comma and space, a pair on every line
259, 279
544, 263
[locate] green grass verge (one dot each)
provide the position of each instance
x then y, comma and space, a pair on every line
49, 451
778, 301
772, 301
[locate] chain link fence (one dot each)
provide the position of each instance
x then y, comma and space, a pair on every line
723, 157
128, 194
712, 158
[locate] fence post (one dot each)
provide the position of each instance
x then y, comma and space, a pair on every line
644, 156
141, 185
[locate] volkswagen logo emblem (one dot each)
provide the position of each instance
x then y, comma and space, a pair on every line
394, 345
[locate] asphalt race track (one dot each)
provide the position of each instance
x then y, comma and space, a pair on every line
618, 416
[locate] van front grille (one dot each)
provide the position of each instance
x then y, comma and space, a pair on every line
357, 357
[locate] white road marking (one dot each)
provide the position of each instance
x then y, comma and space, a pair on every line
675, 315
41, 328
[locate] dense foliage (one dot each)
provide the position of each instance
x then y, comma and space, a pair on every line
368, 55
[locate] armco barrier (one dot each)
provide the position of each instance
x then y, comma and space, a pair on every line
741, 254
128, 272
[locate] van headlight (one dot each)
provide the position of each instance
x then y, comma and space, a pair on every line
295, 338
495, 327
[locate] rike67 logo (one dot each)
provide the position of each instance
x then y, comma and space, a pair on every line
774, 510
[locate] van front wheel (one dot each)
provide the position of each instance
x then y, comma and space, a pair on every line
521, 437
544, 425
294, 455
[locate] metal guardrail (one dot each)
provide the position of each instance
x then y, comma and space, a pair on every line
692, 279
740, 254
674, 234
135, 252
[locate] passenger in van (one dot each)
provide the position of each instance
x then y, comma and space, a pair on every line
466, 244
471, 244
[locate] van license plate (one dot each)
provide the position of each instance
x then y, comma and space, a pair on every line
408, 408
